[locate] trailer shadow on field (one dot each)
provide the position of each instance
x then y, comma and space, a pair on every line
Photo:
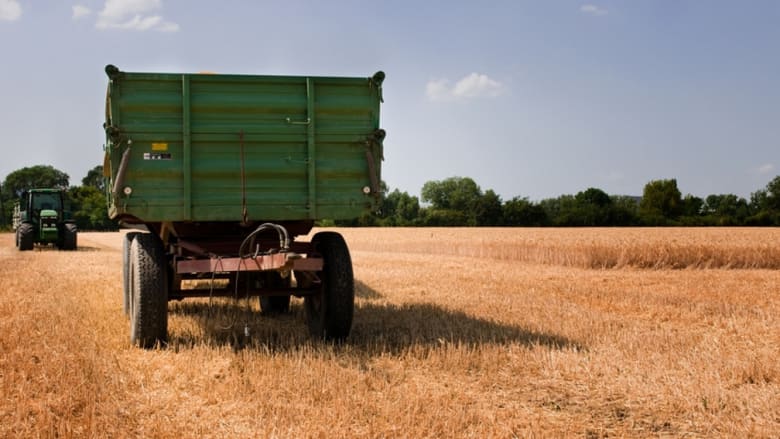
363, 291
397, 328
378, 328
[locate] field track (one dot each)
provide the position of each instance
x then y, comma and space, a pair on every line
458, 333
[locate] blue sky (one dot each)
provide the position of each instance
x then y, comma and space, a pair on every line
528, 98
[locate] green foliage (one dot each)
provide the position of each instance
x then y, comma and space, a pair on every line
772, 202
624, 211
459, 201
593, 207
444, 218
95, 178
521, 212
488, 210
456, 193
39, 176
89, 208
400, 209
692, 206
561, 211
661, 202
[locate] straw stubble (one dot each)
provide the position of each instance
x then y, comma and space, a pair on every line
457, 332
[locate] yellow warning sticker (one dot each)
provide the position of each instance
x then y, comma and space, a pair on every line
159, 147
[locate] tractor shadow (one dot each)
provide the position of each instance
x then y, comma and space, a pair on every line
377, 329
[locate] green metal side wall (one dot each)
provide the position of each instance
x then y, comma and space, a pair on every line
207, 147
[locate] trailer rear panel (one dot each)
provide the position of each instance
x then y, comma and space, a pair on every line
213, 148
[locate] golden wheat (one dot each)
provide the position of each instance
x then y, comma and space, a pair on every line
588, 247
457, 333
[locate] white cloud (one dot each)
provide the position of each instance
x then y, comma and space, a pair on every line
765, 169
474, 85
10, 10
80, 11
133, 15
593, 10
437, 90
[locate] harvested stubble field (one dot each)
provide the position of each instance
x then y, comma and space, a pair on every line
457, 333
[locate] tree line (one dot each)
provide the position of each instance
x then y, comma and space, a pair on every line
459, 201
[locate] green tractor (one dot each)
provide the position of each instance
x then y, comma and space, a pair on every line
40, 218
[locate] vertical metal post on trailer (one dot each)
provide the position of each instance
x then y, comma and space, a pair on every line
311, 149
186, 146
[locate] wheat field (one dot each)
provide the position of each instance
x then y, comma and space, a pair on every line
457, 333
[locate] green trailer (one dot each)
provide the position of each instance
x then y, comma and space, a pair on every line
220, 174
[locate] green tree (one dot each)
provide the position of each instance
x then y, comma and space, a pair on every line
661, 202
400, 209
488, 209
692, 206
39, 176
443, 218
759, 201
561, 211
95, 178
726, 209
521, 212
765, 205
454, 201
592, 207
624, 210
773, 195
456, 193
89, 208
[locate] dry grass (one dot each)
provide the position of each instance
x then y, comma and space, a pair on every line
589, 247
457, 333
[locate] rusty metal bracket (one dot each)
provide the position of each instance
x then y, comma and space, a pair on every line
276, 261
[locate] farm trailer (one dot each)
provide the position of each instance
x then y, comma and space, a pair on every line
221, 173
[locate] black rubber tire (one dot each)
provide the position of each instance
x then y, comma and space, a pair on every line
126, 242
16, 233
69, 237
271, 305
148, 292
25, 232
329, 313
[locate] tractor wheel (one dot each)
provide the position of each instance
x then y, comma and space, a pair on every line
69, 237
25, 232
275, 304
128, 239
16, 232
148, 291
329, 313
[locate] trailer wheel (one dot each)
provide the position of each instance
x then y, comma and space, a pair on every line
25, 232
148, 291
69, 237
329, 313
126, 242
275, 304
